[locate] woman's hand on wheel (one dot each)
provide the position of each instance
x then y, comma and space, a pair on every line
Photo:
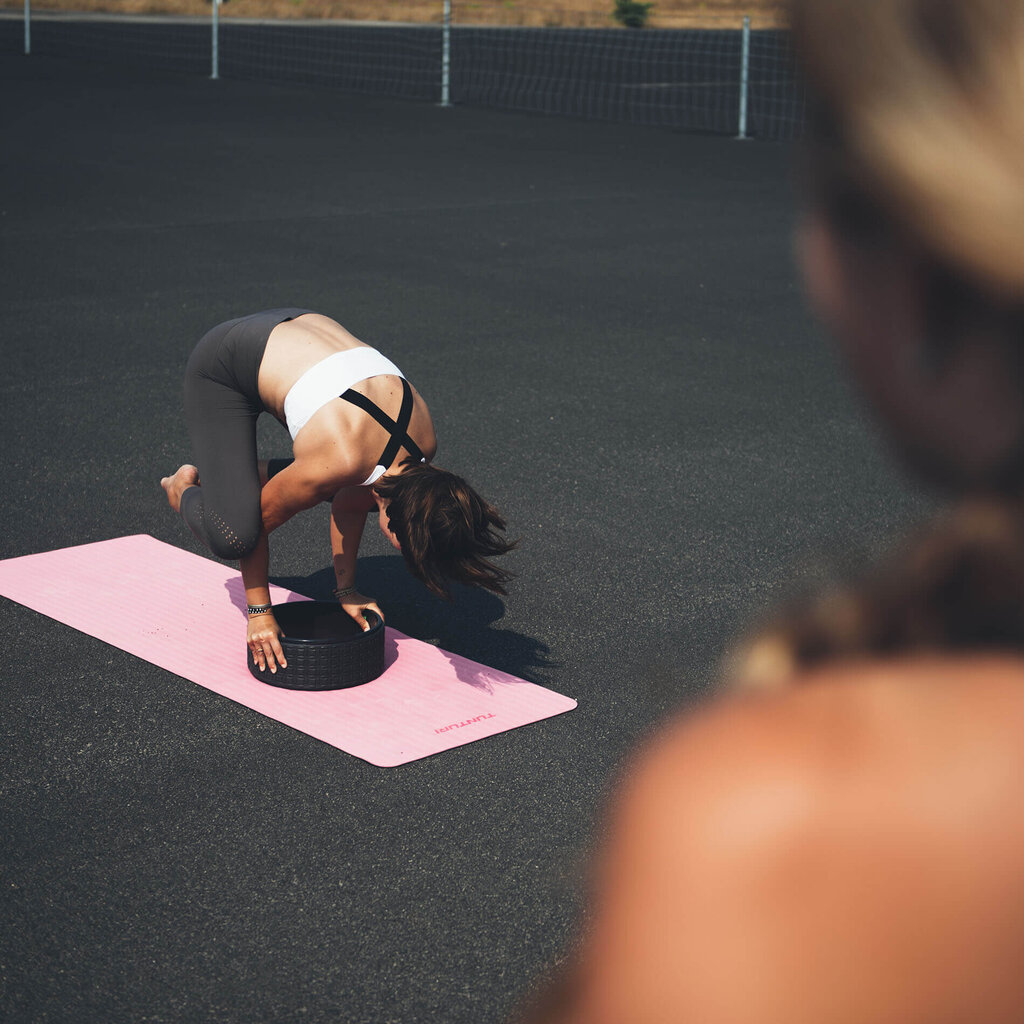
264, 642
356, 605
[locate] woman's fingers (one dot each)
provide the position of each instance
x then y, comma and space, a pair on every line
357, 610
268, 655
267, 651
375, 608
257, 655
275, 645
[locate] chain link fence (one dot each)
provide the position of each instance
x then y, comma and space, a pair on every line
730, 76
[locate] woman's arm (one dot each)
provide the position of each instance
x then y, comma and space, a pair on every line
296, 488
263, 630
348, 517
288, 492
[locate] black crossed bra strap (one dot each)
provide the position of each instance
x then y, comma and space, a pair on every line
399, 429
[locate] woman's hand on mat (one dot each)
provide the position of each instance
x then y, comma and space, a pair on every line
264, 642
356, 604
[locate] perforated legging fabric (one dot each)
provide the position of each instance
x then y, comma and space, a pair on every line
222, 403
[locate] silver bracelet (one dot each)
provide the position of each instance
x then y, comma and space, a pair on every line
340, 592
258, 609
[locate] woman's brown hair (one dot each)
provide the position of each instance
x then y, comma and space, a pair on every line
447, 532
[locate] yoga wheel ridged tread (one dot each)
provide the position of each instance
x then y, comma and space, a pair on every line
324, 647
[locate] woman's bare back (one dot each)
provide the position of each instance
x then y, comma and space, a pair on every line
294, 347
849, 850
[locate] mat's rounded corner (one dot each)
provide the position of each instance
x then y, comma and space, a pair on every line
400, 759
395, 761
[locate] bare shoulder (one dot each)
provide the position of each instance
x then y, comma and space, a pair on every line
805, 749
850, 805
732, 775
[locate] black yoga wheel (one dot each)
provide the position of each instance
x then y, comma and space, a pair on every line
324, 647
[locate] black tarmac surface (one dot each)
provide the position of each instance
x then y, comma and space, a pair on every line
607, 325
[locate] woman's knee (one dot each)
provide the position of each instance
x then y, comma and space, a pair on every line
228, 535
231, 540
230, 550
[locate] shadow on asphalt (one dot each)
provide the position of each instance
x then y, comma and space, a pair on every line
463, 626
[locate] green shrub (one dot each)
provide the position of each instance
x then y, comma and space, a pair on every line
631, 13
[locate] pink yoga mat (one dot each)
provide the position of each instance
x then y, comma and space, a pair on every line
187, 615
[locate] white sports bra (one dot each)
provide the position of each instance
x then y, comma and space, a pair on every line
331, 378
334, 377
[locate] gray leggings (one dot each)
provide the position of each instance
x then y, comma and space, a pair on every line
222, 403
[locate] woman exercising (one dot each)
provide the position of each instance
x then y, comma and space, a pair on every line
362, 438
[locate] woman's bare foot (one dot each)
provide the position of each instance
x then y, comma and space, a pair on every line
187, 476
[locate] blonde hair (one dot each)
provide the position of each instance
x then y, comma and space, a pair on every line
918, 138
927, 99
957, 585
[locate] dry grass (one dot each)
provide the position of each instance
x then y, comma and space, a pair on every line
571, 13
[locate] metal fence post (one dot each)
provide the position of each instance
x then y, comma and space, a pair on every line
446, 55
28, 27
215, 49
744, 77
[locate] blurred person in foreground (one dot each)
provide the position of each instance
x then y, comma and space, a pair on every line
841, 841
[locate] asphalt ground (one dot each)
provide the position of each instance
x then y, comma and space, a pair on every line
607, 325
